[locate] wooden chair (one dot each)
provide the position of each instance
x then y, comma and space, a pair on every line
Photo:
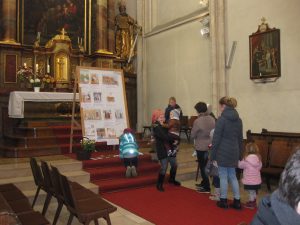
18, 211
145, 129
280, 151
85, 210
49, 187
184, 127
38, 178
80, 192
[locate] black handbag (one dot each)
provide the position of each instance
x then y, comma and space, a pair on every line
211, 169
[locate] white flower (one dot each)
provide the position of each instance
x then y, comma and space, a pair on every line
31, 81
37, 80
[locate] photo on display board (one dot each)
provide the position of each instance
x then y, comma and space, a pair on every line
98, 114
90, 130
109, 80
94, 79
101, 133
107, 114
111, 133
84, 78
97, 97
89, 114
86, 97
119, 114
110, 98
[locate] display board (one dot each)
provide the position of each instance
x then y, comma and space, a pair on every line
103, 104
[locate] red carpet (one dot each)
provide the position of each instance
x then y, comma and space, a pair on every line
108, 172
177, 206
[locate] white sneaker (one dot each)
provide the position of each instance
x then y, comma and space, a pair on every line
128, 171
133, 171
214, 198
194, 154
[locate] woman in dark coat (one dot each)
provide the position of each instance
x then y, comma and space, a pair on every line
282, 207
160, 133
227, 150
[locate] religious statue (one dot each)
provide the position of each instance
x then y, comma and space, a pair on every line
124, 31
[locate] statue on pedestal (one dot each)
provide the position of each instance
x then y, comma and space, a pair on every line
124, 30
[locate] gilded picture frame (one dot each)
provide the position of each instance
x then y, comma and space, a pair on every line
49, 19
264, 48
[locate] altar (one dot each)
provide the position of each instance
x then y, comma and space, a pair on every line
17, 100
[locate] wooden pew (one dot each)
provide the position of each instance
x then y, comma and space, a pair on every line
16, 208
275, 149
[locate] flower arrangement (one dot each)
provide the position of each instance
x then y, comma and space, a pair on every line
88, 144
48, 81
36, 82
24, 74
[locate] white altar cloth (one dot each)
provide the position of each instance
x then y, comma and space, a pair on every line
17, 99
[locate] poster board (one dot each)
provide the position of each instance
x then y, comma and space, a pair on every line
103, 104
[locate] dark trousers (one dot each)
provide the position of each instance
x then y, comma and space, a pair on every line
216, 181
202, 157
164, 164
131, 161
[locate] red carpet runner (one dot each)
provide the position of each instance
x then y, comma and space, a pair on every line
177, 206
108, 171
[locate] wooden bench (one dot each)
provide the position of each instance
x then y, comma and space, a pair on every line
275, 149
82, 203
15, 207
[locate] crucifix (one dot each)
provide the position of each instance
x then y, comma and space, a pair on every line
61, 63
63, 32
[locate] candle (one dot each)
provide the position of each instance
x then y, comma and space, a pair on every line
36, 67
48, 68
25, 65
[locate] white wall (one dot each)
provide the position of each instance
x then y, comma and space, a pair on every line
177, 61
274, 106
169, 10
178, 64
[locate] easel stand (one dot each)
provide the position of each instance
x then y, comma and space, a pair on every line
74, 123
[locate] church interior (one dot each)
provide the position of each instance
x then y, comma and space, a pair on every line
85, 83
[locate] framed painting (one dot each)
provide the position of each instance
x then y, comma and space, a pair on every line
46, 18
264, 48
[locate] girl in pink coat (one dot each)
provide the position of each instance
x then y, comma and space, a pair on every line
251, 164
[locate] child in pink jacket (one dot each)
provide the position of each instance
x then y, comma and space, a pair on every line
251, 164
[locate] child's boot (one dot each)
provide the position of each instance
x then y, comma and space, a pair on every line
128, 172
133, 171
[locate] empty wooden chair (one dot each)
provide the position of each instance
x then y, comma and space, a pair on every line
38, 178
80, 192
48, 186
184, 127
280, 152
85, 210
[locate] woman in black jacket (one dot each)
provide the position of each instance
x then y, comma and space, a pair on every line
160, 133
283, 206
227, 149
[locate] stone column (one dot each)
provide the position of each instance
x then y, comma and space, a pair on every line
111, 25
217, 35
9, 21
142, 95
101, 26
